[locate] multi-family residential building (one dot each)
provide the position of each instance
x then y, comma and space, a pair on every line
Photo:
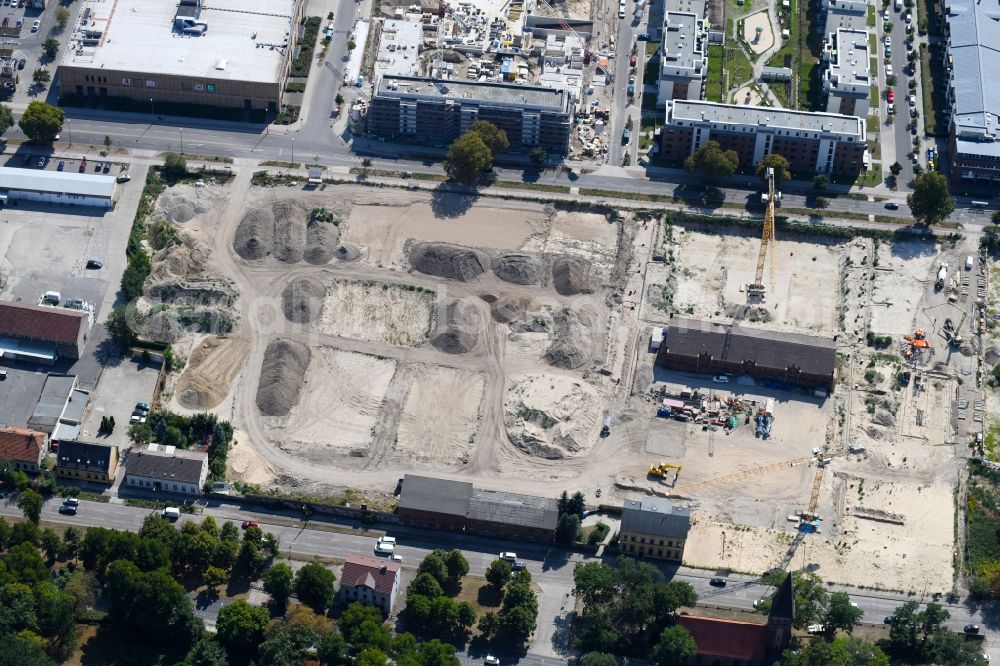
370, 581
22, 449
972, 52
436, 111
825, 143
847, 79
654, 527
164, 468
86, 461
683, 57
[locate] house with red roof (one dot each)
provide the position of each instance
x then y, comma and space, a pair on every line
370, 580
22, 449
42, 334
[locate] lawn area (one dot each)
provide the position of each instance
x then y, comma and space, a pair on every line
875, 149
932, 78
713, 87
874, 96
872, 124
871, 16
780, 92
982, 547
651, 48
479, 593
737, 65
802, 47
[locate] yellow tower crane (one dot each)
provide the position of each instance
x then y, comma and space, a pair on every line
756, 290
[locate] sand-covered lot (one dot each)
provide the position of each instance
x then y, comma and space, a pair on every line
441, 414
210, 371
904, 270
378, 312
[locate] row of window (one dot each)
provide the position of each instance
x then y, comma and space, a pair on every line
669, 543
164, 486
666, 553
80, 475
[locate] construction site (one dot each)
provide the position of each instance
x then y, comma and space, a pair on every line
376, 331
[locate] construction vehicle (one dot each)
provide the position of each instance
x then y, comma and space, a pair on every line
660, 471
756, 290
942, 275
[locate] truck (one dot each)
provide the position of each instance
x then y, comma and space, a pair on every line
606, 428
969, 261
942, 275
171, 513
898, 4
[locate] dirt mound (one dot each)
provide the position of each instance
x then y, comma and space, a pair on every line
210, 371
302, 300
448, 261
321, 242
347, 252
181, 260
281, 230
551, 416
281, 375
163, 326
519, 268
507, 309
178, 208
571, 275
458, 329
571, 339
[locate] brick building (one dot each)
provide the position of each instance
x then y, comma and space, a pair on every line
436, 112
225, 54
705, 347
811, 142
42, 334
437, 504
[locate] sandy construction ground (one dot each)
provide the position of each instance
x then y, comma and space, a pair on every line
210, 371
380, 232
901, 277
713, 270
246, 463
441, 414
378, 312
339, 404
552, 416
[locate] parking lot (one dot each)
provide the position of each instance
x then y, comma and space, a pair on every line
26, 159
122, 385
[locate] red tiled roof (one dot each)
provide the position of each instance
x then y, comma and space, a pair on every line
41, 323
21, 444
726, 638
374, 573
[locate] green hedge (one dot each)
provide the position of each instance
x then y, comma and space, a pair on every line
307, 44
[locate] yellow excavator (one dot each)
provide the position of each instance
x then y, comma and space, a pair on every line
660, 471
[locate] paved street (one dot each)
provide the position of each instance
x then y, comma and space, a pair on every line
550, 567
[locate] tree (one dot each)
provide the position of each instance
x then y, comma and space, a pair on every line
931, 201
713, 162
820, 182
674, 647
498, 573
435, 653
539, 155
595, 583
456, 564
30, 503
780, 166
213, 577
338, 100
107, 141
314, 586
50, 47
240, 628
278, 582
842, 651
363, 627
41, 121
62, 17
41, 76
332, 650
468, 157
206, 652
150, 605
841, 614
51, 544
425, 585
577, 503
6, 118
22, 651
994, 220
822, 202
567, 529
895, 168
71, 542
810, 596
598, 659
371, 657
435, 565
174, 165
494, 137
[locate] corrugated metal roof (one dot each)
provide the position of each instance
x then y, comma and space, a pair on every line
497, 506
66, 182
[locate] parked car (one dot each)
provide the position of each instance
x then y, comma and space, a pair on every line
42, 161
62, 165
20, 22
171, 513
396, 558
139, 406
508, 556
250, 523
518, 565
643, 37
83, 165
35, 25
971, 628
889, 619
890, 96
632, 60
5, 22
888, 70
626, 135
384, 548
94, 264
892, 205
888, 40
123, 178
71, 501
107, 167
491, 660
68, 509
98, 165
720, 379
717, 582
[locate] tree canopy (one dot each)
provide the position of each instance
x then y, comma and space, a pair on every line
468, 157
780, 166
841, 651
930, 202
314, 586
41, 121
712, 162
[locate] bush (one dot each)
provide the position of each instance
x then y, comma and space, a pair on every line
301, 64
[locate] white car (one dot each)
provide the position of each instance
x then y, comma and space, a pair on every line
888, 70
912, 99
35, 25
888, 40
508, 556
492, 661
384, 548
396, 558
720, 379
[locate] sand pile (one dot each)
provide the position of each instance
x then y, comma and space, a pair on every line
178, 208
458, 328
302, 300
281, 375
255, 235
552, 416
210, 371
321, 241
571, 339
347, 252
519, 268
179, 261
571, 275
283, 230
507, 309
448, 261
163, 326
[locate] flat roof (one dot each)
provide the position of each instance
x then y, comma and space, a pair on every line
55, 394
244, 41
710, 112
696, 7
851, 63
64, 182
473, 92
425, 493
974, 46
683, 43
19, 395
498, 506
399, 47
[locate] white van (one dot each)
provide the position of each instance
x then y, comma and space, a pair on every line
171, 513
387, 539
384, 548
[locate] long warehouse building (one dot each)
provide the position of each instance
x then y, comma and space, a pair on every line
811, 142
436, 111
138, 53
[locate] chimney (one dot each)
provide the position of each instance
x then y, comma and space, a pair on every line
383, 569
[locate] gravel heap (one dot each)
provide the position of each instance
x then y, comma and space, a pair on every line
302, 300
448, 261
571, 343
281, 375
571, 275
519, 268
283, 230
458, 329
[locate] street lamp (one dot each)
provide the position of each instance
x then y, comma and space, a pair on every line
69, 129
181, 130
293, 149
151, 112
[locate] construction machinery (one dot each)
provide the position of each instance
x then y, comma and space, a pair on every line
756, 290
660, 471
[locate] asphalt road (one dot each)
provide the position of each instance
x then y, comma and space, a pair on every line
550, 567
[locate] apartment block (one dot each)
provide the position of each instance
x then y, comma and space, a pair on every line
811, 142
848, 78
654, 527
437, 111
684, 57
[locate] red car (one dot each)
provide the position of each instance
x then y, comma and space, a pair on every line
890, 96
250, 523
632, 60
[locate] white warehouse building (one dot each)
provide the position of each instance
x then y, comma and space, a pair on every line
75, 189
